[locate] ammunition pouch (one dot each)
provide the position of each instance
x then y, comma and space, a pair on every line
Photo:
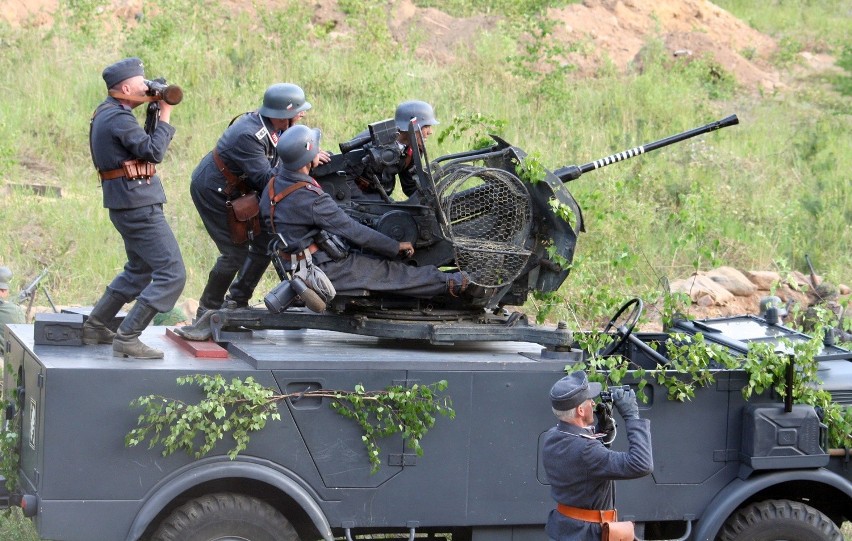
132, 170
138, 169
334, 247
243, 218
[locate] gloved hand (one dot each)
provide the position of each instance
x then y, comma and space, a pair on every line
606, 424
625, 402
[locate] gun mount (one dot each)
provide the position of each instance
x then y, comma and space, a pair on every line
472, 211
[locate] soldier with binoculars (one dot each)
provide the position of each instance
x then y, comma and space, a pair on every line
125, 156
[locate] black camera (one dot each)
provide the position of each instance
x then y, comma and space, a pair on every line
606, 396
171, 94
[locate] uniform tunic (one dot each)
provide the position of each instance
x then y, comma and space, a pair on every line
305, 212
9, 313
154, 271
581, 471
248, 151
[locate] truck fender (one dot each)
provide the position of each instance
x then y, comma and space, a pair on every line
202, 472
737, 491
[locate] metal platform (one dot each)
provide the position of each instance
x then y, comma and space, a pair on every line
435, 328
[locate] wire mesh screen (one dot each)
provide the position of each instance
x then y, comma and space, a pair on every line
489, 212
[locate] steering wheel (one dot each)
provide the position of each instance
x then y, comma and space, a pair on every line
622, 332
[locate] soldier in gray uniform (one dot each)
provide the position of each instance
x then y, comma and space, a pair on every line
9, 311
306, 211
242, 161
423, 116
125, 157
580, 468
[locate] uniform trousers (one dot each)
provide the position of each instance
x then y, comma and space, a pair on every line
154, 273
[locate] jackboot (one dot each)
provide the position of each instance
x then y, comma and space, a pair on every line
126, 342
198, 331
249, 276
95, 330
214, 292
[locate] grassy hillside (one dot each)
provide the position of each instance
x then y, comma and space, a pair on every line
757, 196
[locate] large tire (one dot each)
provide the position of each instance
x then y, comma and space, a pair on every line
225, 517
775, 520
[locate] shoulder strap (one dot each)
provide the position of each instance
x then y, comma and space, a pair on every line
275, 198
238, 116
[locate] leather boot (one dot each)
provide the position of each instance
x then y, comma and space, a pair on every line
249, 276
95, 330
127, 343
214, 292
459, 285
198, 331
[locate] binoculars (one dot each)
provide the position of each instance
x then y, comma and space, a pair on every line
171, 94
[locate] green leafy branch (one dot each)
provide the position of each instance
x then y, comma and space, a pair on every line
531, 168
692, 361
409, 411
473, 128
241, 407
10, 449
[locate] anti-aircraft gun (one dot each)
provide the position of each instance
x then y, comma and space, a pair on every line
473, 211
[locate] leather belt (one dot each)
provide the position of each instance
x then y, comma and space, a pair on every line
111, 174
588, 515
132, 169
312, 249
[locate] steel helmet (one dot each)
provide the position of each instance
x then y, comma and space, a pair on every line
283, 100
298, 146
419, 111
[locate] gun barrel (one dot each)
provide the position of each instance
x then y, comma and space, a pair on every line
572, 172
28, 291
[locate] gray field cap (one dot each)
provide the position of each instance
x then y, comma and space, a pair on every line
121, 70
572, 390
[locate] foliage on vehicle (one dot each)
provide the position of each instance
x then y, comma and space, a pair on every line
240, 407
694, 362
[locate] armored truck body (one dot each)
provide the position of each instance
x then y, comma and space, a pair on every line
480, 476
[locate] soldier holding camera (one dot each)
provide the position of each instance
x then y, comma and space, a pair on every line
580, 467
125, 156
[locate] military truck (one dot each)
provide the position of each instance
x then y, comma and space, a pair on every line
725, 467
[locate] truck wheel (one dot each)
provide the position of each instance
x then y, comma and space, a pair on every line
225, 517
779, 519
